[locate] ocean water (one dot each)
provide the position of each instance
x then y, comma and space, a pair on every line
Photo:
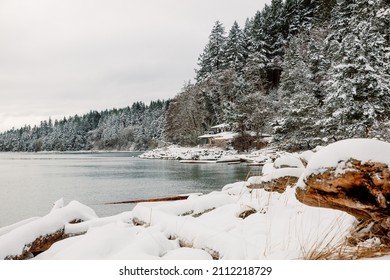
31, 182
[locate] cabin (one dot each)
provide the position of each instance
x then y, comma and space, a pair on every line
224, 127
217, 135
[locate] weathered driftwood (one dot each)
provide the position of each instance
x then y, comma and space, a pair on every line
362, 190
39, 245
197, 161
43, 243
245, 214
276, 185
169, 198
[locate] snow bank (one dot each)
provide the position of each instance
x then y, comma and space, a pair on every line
285, 165
202, 227
9, 228
124, 217
281, 228
288, 160
112, 241
277, 173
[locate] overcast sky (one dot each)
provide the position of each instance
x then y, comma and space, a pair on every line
64, 57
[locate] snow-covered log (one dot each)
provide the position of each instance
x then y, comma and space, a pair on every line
38, 235
352, 176
276, 176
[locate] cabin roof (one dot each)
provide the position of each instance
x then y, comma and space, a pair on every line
222, 125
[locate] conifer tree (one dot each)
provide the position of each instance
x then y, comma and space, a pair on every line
358, 93
212, 59
235, 52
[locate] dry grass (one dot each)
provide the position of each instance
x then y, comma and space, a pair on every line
361, 244
343, 251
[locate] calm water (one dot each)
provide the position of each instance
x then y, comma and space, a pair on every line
30, 183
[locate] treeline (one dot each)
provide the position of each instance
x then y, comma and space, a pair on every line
138, 127
306, 71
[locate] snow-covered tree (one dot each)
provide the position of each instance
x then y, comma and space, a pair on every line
299, 91
358, 91
212, 59
235, 52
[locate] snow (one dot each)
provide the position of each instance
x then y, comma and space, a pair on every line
288, 160
202, 227
9, 228
223, 125
187, 254
306, 155
277, 173
383, 12
175, 152
208, 225
112, 241
286, 165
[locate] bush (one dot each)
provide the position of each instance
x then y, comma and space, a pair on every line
245, 141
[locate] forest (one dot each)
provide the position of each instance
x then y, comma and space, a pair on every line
306, 72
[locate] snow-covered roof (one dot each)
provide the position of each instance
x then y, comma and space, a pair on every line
220, 136
207, 136
222, 125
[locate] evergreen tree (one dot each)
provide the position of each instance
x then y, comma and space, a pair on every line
300, 95
324, 10
235, 52
212, 59
257, 60
358, 92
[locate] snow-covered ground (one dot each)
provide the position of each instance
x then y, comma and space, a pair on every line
175, 152
197, 228
233, 223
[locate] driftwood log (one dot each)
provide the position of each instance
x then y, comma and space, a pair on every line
361, 189
158, 199
275, 185
43, 243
